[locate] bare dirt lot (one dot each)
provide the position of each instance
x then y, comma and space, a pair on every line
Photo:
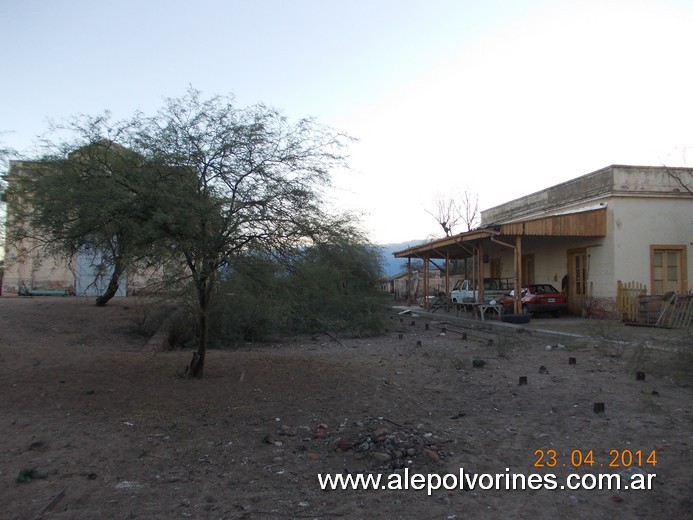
95, 424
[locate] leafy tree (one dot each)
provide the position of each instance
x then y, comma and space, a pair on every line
200, 186
330, 288
252, 302
240, 181
333, 288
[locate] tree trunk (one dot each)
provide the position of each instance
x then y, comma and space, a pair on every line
197, 364
113, 284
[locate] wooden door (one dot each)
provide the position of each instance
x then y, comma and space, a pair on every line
527, 270
576, 286
496, 268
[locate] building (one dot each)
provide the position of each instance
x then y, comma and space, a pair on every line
404, 285
29, 267
619, 224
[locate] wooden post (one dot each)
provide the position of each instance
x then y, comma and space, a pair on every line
409, 298
517, 305
480, 296
425, 282
474, 268
447, 274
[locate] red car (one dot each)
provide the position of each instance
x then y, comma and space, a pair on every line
542, 297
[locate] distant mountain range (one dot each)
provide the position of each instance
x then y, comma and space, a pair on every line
392, 265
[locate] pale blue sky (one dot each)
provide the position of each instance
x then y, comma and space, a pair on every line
502, 98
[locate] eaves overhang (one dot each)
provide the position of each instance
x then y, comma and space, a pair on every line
587, 222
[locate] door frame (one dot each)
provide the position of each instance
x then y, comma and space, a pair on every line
576, 290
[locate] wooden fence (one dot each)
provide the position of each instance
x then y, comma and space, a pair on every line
627, 298
679, 312
672, 310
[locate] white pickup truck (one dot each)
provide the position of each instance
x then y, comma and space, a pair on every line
464, 293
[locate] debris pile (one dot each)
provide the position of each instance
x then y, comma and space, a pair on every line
378, 442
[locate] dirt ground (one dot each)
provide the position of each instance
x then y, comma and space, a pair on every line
95, 424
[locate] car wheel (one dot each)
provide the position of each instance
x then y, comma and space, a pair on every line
525, 310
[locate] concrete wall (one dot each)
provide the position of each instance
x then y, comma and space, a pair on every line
590, 188
576, 192
653, 180
35, 272
640, 223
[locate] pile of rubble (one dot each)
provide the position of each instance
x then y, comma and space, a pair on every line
386, 445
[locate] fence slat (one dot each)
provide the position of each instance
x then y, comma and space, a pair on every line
627, 299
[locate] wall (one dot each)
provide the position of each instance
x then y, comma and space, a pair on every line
667, 221
607, 182
550, 256
575, 192
27, 263
24, 264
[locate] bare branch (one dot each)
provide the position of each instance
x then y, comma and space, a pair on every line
451, 210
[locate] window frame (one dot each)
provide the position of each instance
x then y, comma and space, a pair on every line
681, 250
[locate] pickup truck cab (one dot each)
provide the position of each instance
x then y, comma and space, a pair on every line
465, 294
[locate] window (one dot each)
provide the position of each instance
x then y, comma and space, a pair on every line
580, 274
668, 269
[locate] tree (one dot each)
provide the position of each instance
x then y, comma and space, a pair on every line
329, 288
198, 186
455, 209
451, 210
446, 213
469, 210
332, 287
238, 181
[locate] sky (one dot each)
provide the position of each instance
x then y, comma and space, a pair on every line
496, 98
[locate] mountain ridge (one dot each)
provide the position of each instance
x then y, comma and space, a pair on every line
391, 265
